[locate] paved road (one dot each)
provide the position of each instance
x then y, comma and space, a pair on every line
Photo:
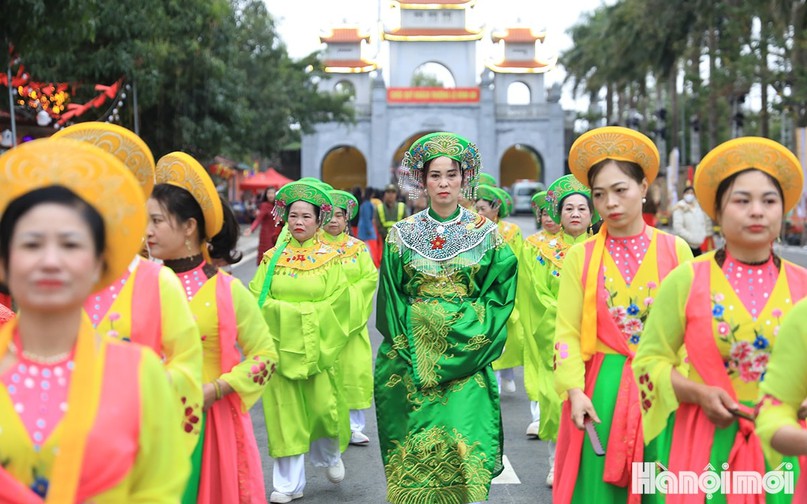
364, 481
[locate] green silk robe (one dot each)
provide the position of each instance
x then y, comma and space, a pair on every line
446, 291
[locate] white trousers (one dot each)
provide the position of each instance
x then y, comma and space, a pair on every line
357, 421
504, 374
550, 445
535, 410
288, 473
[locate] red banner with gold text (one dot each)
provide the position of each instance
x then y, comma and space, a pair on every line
432, 95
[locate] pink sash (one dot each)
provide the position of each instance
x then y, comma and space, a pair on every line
231, 464
147, 320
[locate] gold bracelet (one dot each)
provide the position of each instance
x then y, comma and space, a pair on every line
217, 387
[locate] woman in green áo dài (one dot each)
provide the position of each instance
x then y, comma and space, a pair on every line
356, 359
569, 205
531, 253
494, 204
302, 291
447, 289
539, 205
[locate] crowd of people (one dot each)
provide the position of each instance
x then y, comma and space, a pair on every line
129, 368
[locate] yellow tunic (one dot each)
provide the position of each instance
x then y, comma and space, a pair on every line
252, 338
130, 455
181, 348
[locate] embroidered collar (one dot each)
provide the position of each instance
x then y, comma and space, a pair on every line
541, 236
554, 247
440, 241
306, 256
508, 230
345, 244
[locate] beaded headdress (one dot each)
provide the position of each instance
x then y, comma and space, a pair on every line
435, 145
539, 202
302, 191
493, 196
345, 201
559, 189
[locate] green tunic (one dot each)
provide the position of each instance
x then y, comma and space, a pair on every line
447, 289
305, 311
513, 354
542, 262
356, 359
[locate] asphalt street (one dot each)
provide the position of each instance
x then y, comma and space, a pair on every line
525, 469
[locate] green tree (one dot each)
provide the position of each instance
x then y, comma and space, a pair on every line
212, 76
423, 79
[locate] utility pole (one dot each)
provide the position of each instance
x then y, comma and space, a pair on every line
12, 115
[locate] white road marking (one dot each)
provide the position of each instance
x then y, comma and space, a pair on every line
508, 476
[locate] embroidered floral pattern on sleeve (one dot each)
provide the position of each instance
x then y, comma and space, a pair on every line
767, 401
261, 370
561, 353
190, 424
647, 392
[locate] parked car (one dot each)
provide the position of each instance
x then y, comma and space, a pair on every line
522, 192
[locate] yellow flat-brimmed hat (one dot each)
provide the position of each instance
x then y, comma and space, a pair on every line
613, 142
95, 176
181, 170
741, 154
121, 143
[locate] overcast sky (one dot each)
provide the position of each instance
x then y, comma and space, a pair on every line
300, 23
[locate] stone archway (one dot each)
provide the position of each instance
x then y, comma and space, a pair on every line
345, 87
520, 161
433, 74
344, 167
519, 93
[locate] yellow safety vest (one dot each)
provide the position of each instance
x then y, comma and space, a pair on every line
382, 215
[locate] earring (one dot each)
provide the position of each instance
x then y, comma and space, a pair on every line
188, 245
644, 200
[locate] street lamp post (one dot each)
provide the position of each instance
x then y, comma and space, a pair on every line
11, 106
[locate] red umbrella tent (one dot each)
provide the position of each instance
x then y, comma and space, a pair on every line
262, 180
